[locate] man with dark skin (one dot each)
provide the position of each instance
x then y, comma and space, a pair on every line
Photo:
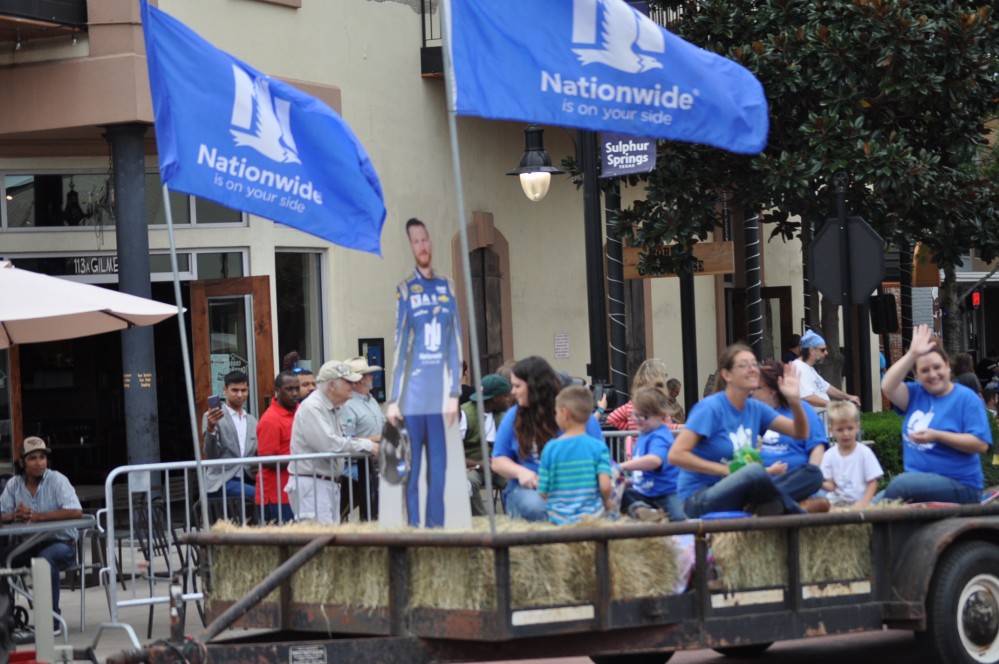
36, 494
274, 438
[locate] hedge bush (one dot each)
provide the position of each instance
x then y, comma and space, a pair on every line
885, 429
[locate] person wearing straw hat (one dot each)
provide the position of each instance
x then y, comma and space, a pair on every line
816, 390
312, 486
38, 493
363, 416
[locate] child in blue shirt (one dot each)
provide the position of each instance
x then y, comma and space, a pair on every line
653, 480
574, 476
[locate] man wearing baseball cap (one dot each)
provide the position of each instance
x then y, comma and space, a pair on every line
312, 486
37, 493
363, 416
815, 389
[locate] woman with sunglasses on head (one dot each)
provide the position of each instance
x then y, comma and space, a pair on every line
793, 463
726, 423
945, 428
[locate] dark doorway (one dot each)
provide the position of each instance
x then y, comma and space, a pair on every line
486, 288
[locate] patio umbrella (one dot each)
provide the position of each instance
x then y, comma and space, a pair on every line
36, 307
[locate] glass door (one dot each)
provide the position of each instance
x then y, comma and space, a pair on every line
231, 331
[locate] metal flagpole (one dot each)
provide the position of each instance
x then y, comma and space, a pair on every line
473, 337
754, 306
186, 360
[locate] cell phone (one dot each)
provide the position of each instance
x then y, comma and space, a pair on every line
214, 401
598, 392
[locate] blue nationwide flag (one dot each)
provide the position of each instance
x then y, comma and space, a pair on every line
600, 65
231, 134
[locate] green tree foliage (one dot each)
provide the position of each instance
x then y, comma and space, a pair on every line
895, 93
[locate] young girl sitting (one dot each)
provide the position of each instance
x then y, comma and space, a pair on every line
653, 480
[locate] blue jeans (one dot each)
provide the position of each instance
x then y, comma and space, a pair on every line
801, 482
426, 433
749, 486
527, 504
61, 556
916, 487
669, 502
271, 513
237, 487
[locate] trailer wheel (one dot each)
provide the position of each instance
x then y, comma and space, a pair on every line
962, 616
753, 650
636, 658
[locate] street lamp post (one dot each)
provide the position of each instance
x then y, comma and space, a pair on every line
535, 172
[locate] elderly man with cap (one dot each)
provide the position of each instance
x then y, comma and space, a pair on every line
815, 389
495, 401
362, 417
312, 486
38, 493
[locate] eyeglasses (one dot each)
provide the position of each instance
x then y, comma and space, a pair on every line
746, 366
640, 417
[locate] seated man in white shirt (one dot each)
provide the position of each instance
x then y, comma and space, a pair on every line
815, 389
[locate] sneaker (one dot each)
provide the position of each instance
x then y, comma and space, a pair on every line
815, 505
647, 514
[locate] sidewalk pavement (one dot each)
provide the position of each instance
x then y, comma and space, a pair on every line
98, 633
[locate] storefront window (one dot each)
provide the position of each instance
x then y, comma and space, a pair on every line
206, 212
298, 284
87, 199
49, 201
224, 265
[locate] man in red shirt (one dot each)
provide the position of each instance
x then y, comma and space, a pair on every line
274, 438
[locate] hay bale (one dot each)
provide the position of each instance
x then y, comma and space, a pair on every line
751, 558
757, 559
452, 578
836, 553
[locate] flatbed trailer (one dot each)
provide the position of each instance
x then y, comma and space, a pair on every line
935, 571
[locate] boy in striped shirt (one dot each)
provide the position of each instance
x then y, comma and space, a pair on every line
574, 476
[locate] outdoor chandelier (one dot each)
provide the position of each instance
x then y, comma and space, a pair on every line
535, 169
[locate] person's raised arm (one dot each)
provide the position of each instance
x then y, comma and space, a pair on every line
797, 428
893, 383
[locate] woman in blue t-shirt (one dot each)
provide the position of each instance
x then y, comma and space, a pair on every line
725, 422
523, 433
944, 428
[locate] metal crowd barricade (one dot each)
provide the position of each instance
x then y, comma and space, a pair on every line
617, 442
154, 503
